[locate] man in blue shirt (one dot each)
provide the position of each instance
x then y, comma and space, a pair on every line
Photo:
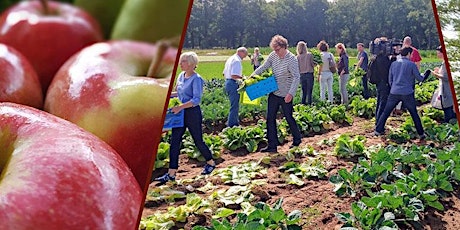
402, 76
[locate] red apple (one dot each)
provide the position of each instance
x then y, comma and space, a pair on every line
47, 38
55, 175
103, 89
18, 79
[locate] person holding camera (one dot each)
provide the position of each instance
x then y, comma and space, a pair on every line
402, 76
447, 102
378, 74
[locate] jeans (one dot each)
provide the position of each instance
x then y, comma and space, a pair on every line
409, 103
343, 81
449, 114
383, 90
193, 121
307, 81
325, 83
365, 87
274, 102
231, 87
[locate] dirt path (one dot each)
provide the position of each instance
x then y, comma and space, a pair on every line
315, 198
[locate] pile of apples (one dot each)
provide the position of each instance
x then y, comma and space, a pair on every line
83, 88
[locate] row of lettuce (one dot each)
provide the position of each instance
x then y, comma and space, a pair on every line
391, 187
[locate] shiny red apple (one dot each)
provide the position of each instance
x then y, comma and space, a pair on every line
18, 80
104, 89
47, 36
55, 175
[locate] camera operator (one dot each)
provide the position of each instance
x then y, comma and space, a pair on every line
402, 76
379, 71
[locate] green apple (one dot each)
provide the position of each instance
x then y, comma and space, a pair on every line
104, 11
151, 20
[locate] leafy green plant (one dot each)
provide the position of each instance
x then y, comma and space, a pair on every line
162, 158
263, 217
239, 137
312, 167
214, 142
363, 108
241, 174
347, 147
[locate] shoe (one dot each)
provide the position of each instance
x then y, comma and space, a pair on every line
377, 133
269, 150
208, 169
294, 145
422, 137
165, 178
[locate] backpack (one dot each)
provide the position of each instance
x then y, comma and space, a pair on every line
372, 74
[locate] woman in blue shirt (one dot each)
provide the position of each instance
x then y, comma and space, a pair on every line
189, 87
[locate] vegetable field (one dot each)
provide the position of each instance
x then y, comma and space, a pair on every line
341, 176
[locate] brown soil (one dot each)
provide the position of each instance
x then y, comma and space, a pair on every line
315, 198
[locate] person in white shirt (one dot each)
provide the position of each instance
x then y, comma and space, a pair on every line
233, 71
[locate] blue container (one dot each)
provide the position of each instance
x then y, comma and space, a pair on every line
173, 120
262, 88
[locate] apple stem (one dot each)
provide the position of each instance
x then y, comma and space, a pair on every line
154, 68
45, 6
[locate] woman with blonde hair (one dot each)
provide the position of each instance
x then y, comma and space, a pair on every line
306, 69
344, 73
325, 77
189, 87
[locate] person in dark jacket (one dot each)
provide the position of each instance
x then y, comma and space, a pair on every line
402, 76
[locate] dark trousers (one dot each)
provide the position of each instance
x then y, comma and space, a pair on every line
274, 102
364, 81
193, 121
307, 81
449, 114
383, 90
409, 103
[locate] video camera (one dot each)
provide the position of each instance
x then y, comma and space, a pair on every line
384, 46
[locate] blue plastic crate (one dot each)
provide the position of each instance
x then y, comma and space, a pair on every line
262, 88
173, 120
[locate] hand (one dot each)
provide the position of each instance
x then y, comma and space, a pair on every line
288, 98
176, 109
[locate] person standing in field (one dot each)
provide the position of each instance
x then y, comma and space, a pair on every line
447, 101
306, 69
325, 77
402, 76
285, 68
189, 87
233, 71
416, 58
344, 73
379, 69
256, 58
363, 61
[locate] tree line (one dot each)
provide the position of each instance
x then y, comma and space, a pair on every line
233, 23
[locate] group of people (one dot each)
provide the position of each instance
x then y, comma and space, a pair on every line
397, 81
